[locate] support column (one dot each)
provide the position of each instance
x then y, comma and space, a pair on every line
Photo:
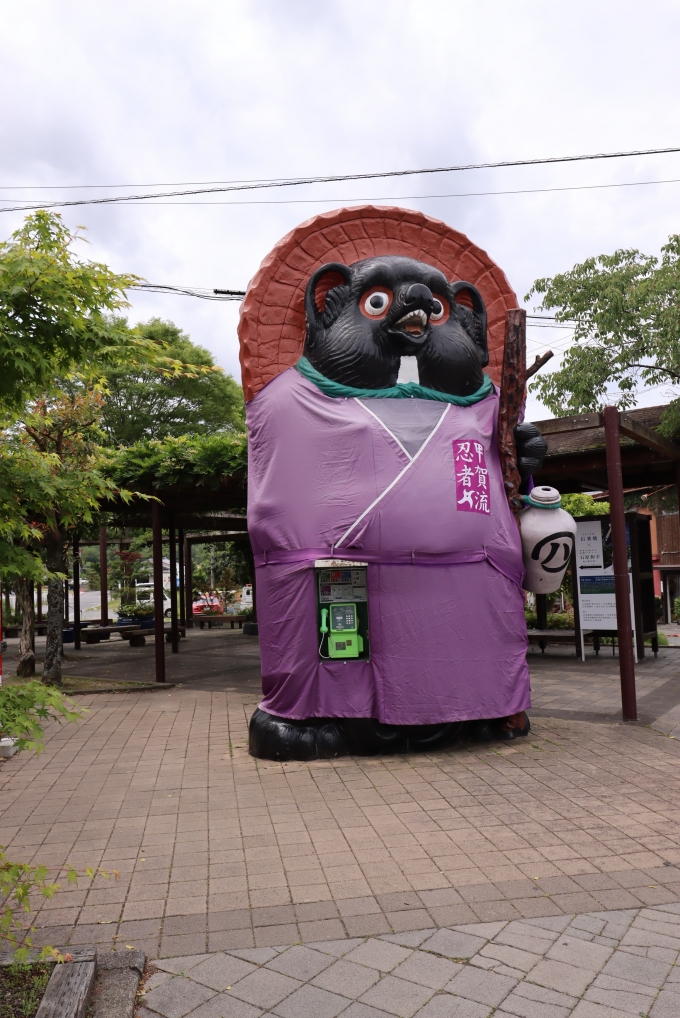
542, 617
76, 593
174, 628
158, 626
620, 557
182, 601
103, 578
189, 585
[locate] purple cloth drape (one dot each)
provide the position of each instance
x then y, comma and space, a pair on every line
327, 478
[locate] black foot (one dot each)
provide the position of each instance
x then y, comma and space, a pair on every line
500, 729
274, 738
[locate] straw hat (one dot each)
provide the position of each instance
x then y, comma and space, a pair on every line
272, 322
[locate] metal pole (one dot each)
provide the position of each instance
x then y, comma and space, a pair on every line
76, 593
174, 629
158, 627
40, 603
188, 585
103, 578
182, 604
620, 556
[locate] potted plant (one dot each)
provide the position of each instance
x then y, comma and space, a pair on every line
139, 613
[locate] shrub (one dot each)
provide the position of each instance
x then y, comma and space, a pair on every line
138, 610
22, 708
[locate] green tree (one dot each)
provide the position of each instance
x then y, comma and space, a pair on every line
626, 313
56, 312
143, 402
59, 436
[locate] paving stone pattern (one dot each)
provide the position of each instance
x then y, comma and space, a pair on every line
216, 851
590, 690
607, 964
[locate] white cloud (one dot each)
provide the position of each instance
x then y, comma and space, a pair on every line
154, 93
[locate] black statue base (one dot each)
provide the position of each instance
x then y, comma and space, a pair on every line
275, 738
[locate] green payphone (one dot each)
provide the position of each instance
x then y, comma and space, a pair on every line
342, 609
344, 639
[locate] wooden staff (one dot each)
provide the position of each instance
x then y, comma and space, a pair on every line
513, 384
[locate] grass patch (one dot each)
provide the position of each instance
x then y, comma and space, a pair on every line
77, 683
22, 988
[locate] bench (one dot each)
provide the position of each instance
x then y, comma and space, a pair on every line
136, 635
233, 620
545, 636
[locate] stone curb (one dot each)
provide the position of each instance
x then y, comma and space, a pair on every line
118, 977
111, 979
151, 687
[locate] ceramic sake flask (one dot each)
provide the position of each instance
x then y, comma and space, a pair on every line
548, 535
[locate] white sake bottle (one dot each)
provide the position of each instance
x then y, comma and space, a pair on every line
548, 535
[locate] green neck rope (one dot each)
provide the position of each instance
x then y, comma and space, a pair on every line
403, 390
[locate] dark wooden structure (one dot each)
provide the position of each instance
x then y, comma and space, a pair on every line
668, 566
577, 460
606, 452
218, 509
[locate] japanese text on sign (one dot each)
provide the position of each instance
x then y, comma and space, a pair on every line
472, 477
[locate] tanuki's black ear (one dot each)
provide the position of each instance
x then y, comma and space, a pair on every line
328, 277
474, 303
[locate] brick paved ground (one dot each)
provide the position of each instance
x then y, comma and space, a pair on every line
598, 965
218, 851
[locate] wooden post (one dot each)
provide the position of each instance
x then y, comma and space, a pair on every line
158, 623
103, 578
182, 601
577, 614
32, 602
174, 629
541, 617
620, 557
189, 584
513, 383
76, 593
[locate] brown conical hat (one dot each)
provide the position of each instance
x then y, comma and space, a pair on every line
272, 322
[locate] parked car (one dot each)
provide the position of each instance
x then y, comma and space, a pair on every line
208, 604
144, 592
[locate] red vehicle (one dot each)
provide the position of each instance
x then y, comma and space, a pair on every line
208, 604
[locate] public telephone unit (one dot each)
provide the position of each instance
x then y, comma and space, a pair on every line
342, 609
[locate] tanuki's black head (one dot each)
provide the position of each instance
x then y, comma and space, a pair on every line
362, 318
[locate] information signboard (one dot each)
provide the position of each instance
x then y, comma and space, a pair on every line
595, 572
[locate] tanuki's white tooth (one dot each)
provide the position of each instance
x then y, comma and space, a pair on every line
418, 315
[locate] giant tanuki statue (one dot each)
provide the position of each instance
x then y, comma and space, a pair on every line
388, 563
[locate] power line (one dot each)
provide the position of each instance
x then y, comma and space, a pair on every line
353, 201
334, 178
189, 291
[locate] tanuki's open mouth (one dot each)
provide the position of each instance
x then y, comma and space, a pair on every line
415, 323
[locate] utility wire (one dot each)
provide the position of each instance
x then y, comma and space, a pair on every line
334, 178
189, 291
353, 201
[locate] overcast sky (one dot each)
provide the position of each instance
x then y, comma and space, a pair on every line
147, 93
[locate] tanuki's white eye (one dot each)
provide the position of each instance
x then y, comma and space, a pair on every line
437, 310
376, 303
